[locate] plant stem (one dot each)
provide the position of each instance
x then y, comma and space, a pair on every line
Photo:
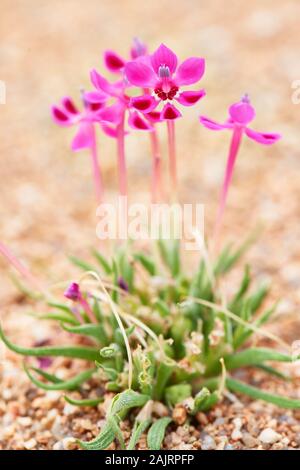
172, 159
156, 184
22, 269
233, 151
121, 157
96, 170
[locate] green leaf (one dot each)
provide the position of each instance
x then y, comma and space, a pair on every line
89, 354
137, 431
61, 317
156, 433
164, 372
85, 401
70, 384
170, 254
62, 307
102, 441
82, 264
200, 399
127, 399
257, 394
177, 393
270, 370
254, 356
102, 261
95, 331
146, 262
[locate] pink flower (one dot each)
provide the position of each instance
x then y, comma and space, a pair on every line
162, 74
74, 293
115, 112
67, 114
240, 115
115, 63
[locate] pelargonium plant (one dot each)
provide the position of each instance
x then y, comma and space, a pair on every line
145, 327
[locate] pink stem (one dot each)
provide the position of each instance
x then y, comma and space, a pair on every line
25, 273
172, 159
156, 186
233, 151
86, 307
96, 170
121, 158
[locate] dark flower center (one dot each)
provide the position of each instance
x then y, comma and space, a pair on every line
166, 95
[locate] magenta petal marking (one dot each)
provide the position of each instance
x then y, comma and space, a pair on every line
154, 116
164, 56
190, 71
169, 113
189, 98
114, 63
242, 112
137, 122
145, 103
233, 151
69, 105
139, 74
60, 117
214, 125
110, 131
265, 138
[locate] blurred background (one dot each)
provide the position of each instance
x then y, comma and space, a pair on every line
47, 49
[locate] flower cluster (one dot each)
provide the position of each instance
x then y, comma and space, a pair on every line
116, 107
112, 105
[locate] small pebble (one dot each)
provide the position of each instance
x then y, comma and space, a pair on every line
269, 436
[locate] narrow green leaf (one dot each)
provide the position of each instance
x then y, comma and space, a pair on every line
85, 401
90, 354
89, 329
82, 264
137, 431
253, 392
58, 317
102, 261
70, 384
156, 433
146, 262
102, 441
127, 399
270, 370
254, 356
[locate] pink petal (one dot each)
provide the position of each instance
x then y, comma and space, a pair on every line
137, 122
242, 112
164, 56
111, 131
265, 138
190, 71
84, 137
189, 98
95, 96
169, 112
153, 116
112, 114
139, 74
60, 117
145, 103
114, 63
102, 84
214, 125
69, 105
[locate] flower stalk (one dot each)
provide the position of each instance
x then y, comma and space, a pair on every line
172, 160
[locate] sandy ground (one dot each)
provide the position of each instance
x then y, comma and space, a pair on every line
47, 202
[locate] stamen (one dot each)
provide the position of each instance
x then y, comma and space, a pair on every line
245, 98
164, 71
